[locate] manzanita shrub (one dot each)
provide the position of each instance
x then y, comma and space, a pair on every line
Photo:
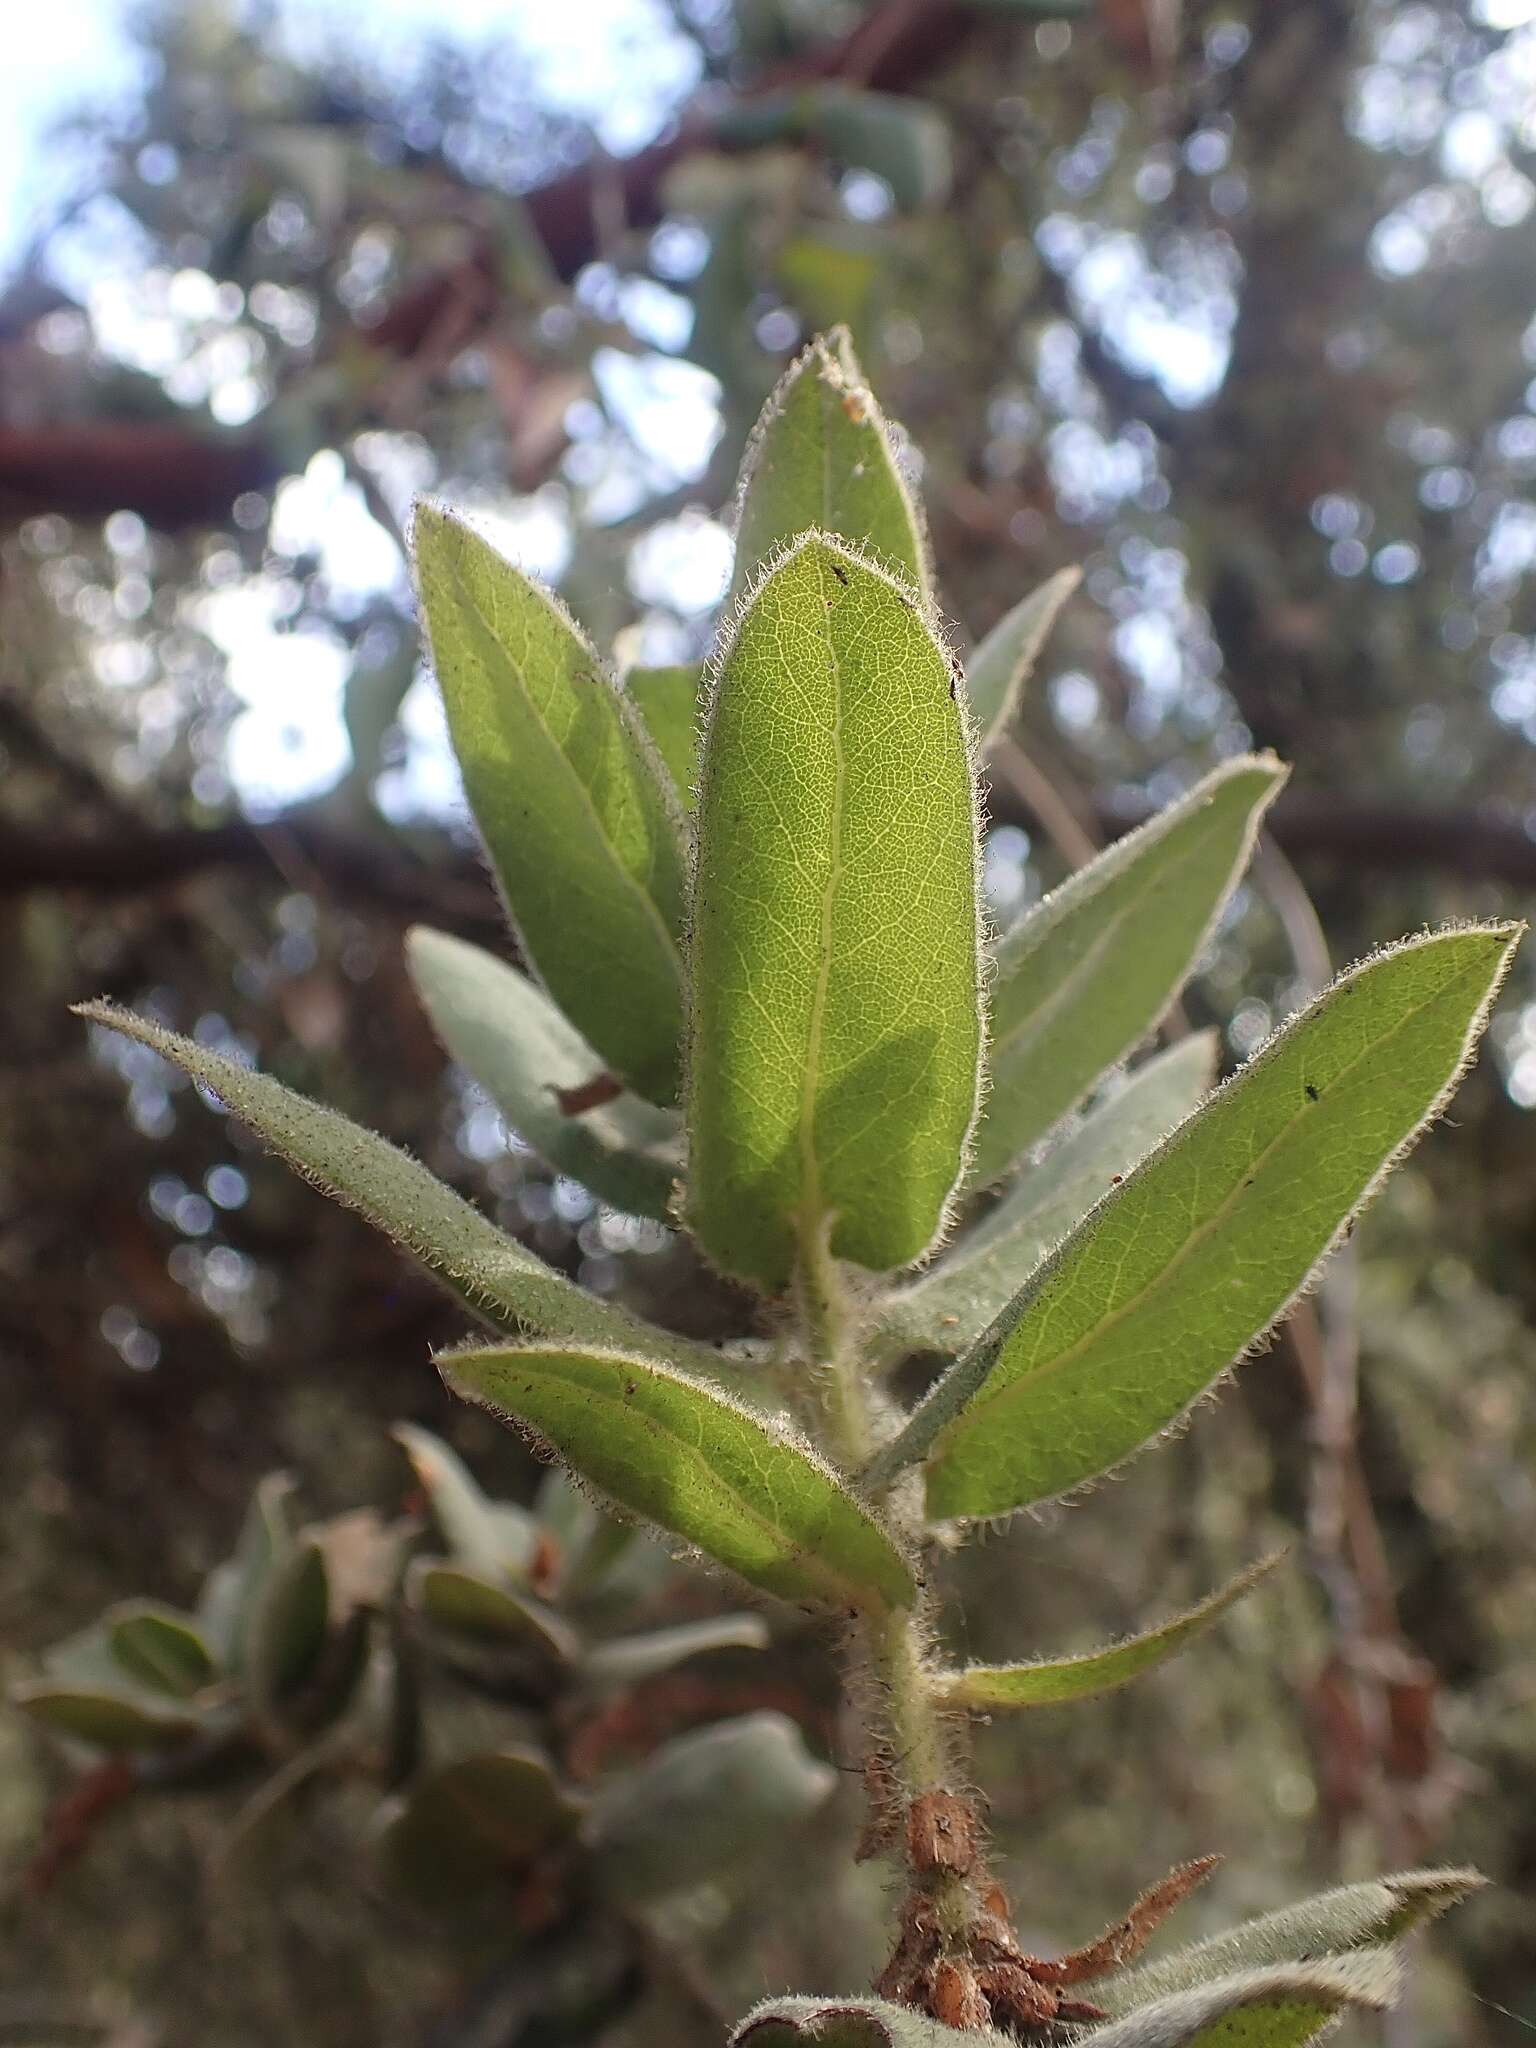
472, 1670
758, 997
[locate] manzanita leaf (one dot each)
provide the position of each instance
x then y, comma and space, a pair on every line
1087, 975
683, 1455
1004, 662
668, 700
836, 1019
822, 456
118, 1721
487, 1536
230, 1592
159, 1648
948, 1308
473, 1823
503, 1029
630, 1660
690, 1811
288, 1625
577, 813
464, 1603
1353, 1916
491, 1273
901, 139
1056, 1681
848, 2023
1279, 2007
1198, 1251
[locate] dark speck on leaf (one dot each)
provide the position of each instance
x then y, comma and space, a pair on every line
631, 1386
1312, 1093
840, 573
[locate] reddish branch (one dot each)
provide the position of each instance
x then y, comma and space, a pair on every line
1474, 845
170, 475
892, 49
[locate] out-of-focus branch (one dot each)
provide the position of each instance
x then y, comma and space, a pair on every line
1477, 846
893, 48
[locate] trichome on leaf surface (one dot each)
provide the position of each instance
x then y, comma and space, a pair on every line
757, 995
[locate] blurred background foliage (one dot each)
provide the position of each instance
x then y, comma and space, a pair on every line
1230, 304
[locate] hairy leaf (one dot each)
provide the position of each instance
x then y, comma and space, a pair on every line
822, 457
1056, 1681
1199, 1250
1354, 1916
696, 1806
1280, 2007
847, 2023
159, 1648
949, 1307
504, 1030
1004, 662
578, 816
836, 1008
1084, 978
685, 1456
472, 1823
668, 700
491, 1273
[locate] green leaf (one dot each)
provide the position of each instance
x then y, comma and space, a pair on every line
836, 1007
232, 1589
690, 1811
1354, 1916
118, 1721
668, 701
901, 139
288, 1625
1280, 2007
848, 2023
685, 1456
579, 821
1004, 662
505, 1031
465, 1604
1089, 973
832, 277
159, 1648
473, 1823
949, 1308
630, 1660
1057, 1681
822, 457
490, 1273
1207, 1242
489, 1537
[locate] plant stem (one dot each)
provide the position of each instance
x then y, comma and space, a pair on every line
910, 1731
828, 1327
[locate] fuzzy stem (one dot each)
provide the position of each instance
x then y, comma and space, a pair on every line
909, 1723
828, 1329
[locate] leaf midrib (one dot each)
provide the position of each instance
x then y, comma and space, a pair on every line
810, 1174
